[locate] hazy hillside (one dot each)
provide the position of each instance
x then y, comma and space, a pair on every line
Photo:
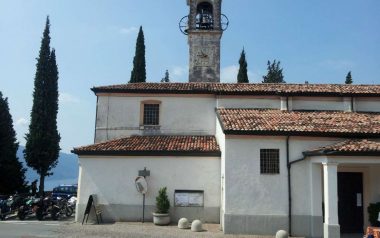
66, 171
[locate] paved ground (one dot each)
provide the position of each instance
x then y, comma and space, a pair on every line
145, 230
31, 228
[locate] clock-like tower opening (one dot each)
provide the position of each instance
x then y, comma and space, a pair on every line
204, 27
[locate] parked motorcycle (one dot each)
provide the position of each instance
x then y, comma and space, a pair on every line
28, 208
10, 205
72, 202
46, 207
64, 207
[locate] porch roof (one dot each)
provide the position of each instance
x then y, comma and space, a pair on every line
154, 146
364, 147
302, 123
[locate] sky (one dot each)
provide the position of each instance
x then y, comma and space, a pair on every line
317, 41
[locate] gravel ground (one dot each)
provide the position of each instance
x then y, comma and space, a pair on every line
141, 230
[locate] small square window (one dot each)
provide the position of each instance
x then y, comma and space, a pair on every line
270, 161
151, 114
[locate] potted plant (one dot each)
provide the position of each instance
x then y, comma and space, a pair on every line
161, 216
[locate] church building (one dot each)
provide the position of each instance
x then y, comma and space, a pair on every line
254, 158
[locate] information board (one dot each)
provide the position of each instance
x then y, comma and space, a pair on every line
188, 198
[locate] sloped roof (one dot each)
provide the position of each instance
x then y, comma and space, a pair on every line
348, 147
154, 146
244, 89
310, 123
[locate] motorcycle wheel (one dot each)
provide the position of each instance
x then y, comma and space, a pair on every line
55, 213
21, 213
69, 211
39, 214
2, 217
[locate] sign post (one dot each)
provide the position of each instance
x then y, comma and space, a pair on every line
142, 186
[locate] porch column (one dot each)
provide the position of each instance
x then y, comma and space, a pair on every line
331, 227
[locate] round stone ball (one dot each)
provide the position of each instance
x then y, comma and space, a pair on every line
196, 226
282, 234
183, 223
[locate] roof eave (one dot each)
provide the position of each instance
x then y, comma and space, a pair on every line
147, 153
341, 153
301, 133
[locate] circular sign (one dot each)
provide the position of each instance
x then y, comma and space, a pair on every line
141, 185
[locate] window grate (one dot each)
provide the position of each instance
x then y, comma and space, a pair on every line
270, 161
151, 114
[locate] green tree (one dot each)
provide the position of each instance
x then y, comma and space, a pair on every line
242, 76
42, 141
138, 73
166, 78
12, 174
274, 74
349, 78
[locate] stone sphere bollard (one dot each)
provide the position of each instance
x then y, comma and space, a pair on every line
196, 226
183, 223
282, 234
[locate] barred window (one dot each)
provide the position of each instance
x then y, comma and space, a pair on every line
270, 161
151, 114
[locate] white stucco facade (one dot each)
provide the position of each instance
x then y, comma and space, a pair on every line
120, 116
113, 180
236, 194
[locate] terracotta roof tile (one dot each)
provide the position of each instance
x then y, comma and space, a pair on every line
154, 145
349, 146
277, 122
244, 89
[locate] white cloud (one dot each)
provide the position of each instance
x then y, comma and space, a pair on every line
127, 30
180, 70
179, 73
338, 64
67, 98
21, 122
229, 74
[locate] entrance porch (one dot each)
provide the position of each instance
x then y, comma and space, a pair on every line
349, 185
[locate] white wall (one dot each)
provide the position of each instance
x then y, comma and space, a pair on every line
302, 173
317, 103
247, 191
119, 116
112, 178
249, 102
367, 104
221, 139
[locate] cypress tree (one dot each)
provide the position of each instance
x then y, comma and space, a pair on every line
138, 73
349, 78
242, 76
166, 78
42, 141
12, 174
274, 74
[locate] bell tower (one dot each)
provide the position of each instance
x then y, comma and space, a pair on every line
204, 27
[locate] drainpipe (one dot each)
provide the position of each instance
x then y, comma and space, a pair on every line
289, 164
289, 187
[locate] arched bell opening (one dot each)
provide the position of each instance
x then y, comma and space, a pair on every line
204, 19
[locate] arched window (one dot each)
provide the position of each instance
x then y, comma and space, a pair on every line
204, 18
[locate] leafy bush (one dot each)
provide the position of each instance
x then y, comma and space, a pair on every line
373, 211
162, 201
